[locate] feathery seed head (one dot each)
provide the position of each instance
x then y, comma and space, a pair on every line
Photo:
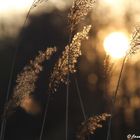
89, 126
66, 63
79, 10
25, 83
135, 42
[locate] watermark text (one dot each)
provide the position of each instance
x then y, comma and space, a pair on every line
133, 136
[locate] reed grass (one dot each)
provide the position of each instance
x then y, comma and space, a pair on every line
4, 121
79, 11
66, 65
135, 42
134, 48
26, 80
62, 67
90, 126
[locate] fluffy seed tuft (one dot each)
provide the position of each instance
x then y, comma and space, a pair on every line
66, 63
89, 126
135, 42
25, 83
79, 11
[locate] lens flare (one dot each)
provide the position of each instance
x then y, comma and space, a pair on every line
116, 44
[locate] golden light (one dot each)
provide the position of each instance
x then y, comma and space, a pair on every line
116, 44
109, 1
30, 105
113, 2
7, 6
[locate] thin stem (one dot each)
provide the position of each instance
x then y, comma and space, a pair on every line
80, 98
120, 76
115, 96
67, 103
44, 117
67, 90
67, 107
3, 125
67, 94
2, 129
81, 102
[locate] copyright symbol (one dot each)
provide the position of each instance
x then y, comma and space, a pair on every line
129, 136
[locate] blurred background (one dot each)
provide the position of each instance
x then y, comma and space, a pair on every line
112, 22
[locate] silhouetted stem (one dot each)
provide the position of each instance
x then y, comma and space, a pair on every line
67, 90
44, 117
115, 96
3, 124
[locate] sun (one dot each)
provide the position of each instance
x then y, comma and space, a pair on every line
116, 44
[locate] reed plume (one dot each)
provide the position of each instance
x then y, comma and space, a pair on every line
79, 11
108, 65
25, 83
90, 125
134, 48
135, 42
108, 71
66, 63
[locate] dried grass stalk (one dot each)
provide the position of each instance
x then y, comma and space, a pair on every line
108, 71
135, 42
78, 12
66, 64
89, 126
25, 83
108, 66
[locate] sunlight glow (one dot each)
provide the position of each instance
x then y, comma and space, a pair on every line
113, 2
116, 44
7, 6
109, 1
